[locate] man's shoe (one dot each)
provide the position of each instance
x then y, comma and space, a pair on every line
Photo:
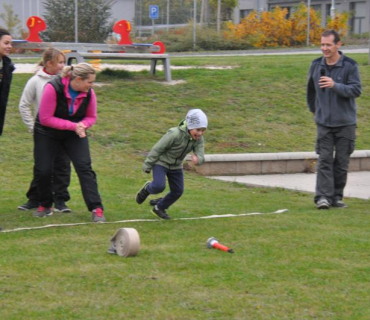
339, 204
42, 212
322, 203
162, 214
142, 194
97, 215
29, 206
154, 202
60, 206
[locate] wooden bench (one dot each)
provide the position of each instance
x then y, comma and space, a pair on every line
82, 51
164, 58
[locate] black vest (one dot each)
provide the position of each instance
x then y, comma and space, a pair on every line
61, 111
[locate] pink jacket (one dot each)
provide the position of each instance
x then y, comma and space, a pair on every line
48, 106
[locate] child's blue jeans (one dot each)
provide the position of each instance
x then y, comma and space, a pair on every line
175, 181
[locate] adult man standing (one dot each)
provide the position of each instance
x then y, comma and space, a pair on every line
333, 84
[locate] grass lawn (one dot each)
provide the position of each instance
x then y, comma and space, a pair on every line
300, 264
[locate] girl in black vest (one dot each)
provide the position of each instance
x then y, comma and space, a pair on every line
68, 108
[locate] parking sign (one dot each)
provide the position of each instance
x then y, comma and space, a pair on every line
153, 12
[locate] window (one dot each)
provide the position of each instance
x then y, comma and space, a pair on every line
244, 13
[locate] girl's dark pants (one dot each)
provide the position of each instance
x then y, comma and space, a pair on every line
45, 150
60, 181
175, 181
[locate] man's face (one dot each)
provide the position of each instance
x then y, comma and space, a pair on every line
328, 47
5, 45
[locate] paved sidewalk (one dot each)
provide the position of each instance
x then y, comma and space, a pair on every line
358, 184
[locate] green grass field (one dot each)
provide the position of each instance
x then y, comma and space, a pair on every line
300, 264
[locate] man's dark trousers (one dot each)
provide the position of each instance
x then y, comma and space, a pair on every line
334, 146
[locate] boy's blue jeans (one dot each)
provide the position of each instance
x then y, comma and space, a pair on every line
175, 181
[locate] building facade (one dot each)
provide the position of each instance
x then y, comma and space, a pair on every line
359, 9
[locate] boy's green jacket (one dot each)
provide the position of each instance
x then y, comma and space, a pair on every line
172, 148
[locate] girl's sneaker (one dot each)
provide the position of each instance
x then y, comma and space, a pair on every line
42, 212
97, 215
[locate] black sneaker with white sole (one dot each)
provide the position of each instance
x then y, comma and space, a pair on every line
28, 206
60, 206
339, 204
322, 203
154, 202
162, 214
142, 194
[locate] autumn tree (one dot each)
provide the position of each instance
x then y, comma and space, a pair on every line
339, 23
299, 21
11, 20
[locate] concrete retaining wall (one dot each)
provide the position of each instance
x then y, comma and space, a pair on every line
270, 163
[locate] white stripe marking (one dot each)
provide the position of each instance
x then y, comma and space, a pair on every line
141, 220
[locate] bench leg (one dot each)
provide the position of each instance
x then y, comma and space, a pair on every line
153, 64
167, 69
74, 55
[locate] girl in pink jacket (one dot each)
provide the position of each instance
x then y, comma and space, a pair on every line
67, 110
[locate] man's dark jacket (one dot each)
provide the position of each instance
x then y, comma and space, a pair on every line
8, 68
334, 107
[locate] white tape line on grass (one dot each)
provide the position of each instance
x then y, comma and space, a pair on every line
215, 216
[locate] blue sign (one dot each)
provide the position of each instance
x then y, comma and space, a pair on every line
153, 12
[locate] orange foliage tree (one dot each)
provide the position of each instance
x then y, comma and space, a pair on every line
339, 23
299, 26
273, 28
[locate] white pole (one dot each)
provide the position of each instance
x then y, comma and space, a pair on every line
195, 25
168, 14
76, 21
369, 32
23, 15
308, 22
332, 9
218, 16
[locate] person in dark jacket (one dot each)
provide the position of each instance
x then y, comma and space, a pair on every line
333, 85
6, 72
166, 157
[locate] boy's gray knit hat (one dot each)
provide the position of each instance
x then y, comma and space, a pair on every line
196, 119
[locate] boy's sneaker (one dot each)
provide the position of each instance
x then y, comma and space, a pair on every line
97, 215
112, 249
28, 206
339, 204
142, 194
154, 202
162, 214
60, 206
322, 203
42, 212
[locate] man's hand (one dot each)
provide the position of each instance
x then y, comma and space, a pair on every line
326, 82
81, 130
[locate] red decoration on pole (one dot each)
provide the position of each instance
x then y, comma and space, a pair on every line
35, 25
